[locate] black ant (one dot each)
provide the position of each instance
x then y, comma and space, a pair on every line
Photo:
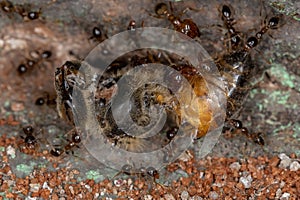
256, 137
29, 63
98, 34
142, 172
132, 25
45, 100
7, 6
75, 140
237, 68
253, 41
186, 26
226, 14
29, 140
25, 67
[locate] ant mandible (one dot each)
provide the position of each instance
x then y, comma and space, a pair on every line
186, 26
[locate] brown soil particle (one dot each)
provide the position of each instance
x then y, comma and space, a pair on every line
223, 178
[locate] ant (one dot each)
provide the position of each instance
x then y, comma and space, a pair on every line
132, 25
45, 100
75, 140
37, 59
7, 6
186, 26
253, 41
256, 137
25, 67
98, 34
142, 172
237, 68
29, 140
234, 36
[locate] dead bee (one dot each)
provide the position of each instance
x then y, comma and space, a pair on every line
65, 78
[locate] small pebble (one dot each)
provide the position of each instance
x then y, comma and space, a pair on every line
235, 166
201, 175
285, 196
295, 166
71, 189
17, 106
34, 187
96, 195
278, 193
11, 151
129, 181
285, 161
246, 181
185, 195
169, 197
213, 195
148, 197
196, 198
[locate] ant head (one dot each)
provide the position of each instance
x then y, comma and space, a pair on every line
97, 32
161, 9
131, 25
22, 69
127, 169
28, 130
172, 133
226, 12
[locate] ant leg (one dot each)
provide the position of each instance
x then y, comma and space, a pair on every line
190, 9
171, 7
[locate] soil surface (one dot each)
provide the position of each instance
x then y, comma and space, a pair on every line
236, 168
